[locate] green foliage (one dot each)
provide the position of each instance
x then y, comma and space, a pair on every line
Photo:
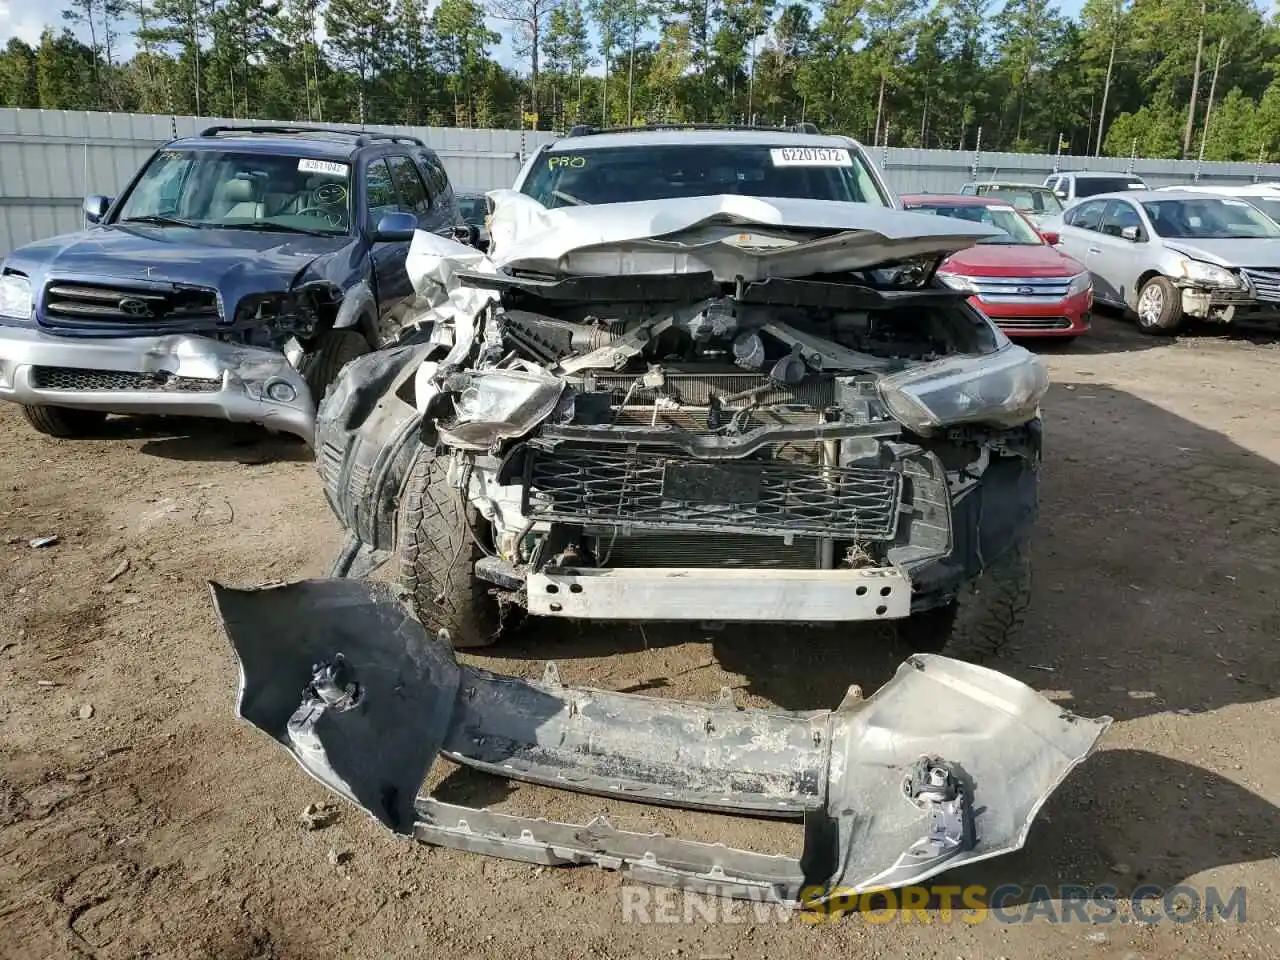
928, 73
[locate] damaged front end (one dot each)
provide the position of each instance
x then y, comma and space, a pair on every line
946, 764
649, 405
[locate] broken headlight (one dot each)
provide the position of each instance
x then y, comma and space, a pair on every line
957, 282
1209, 274
15, 297
1002, 389
497, 404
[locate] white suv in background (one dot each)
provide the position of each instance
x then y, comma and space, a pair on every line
1070, 187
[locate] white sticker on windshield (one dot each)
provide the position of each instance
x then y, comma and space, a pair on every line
322, 166
1233, 203
811, 157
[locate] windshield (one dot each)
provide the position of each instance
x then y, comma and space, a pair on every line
1037, 201
1016, 230
214, 188
1209, 218
473, 210
644, 172
1268, 205
1092, 186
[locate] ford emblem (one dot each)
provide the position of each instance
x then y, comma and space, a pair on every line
1026, 291
133, 307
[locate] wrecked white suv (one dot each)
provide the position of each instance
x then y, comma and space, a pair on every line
710, 408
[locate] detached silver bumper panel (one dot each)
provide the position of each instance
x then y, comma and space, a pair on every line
946, 764
693, 593
177, 375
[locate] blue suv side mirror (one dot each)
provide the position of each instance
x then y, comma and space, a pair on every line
396, 227
96, 207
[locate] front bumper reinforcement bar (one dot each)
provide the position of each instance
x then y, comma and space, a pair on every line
946, 764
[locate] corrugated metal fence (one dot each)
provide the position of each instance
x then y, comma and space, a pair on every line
49, 159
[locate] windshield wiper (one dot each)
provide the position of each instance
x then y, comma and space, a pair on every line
275, 228
160, 220
569, 198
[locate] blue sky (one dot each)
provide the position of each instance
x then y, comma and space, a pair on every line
27, 18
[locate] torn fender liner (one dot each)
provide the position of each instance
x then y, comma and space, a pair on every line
946, 764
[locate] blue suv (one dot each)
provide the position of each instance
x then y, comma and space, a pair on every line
233, 278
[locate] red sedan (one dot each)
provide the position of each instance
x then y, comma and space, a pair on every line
1020, 279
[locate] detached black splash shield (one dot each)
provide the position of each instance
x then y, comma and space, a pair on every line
946, 764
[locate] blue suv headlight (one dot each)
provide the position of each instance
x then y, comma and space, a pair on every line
15, 297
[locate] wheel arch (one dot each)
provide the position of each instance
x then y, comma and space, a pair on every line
1143, 279
359, 311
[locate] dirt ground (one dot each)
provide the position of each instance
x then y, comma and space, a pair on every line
138, 817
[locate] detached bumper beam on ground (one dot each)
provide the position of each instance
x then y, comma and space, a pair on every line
946, 764
174, 375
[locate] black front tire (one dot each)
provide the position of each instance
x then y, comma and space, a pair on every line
438, 557
986, 614
333, 351
64, 423
1159, 308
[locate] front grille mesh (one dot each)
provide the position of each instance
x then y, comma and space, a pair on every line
1266, 283
656, 491
77, 378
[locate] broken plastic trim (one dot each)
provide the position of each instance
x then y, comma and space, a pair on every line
946, 764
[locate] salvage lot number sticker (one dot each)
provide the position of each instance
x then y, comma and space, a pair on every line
322, 166
811, 157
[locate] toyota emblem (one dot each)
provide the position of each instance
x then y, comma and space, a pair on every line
133, 307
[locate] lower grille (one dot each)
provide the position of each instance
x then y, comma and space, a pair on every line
694, 419
1266, 282
657, 491
1032, 323
645, 548
76, 378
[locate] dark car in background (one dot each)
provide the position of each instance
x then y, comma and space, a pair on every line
233, 278
473, 205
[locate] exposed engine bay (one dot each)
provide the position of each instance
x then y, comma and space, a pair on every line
689, 421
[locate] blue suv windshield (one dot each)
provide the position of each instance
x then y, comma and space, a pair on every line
662, 172
215, 188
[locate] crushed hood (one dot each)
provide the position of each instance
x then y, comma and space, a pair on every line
730, 236
235, 263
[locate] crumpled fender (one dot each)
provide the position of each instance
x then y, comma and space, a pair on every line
946, 764
367, 435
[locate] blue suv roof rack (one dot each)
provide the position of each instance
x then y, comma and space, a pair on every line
362, 138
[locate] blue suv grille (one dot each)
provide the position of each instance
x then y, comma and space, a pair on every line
74, 305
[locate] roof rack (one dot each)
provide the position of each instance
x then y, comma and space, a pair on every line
361, 137
586, 129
